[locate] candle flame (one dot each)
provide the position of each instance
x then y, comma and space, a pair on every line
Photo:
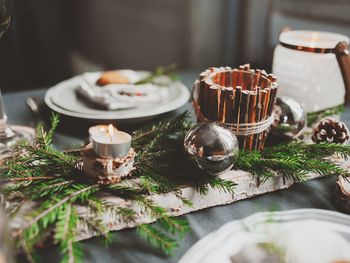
110, 131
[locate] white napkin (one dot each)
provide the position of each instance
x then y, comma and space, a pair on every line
311, 241
119, 96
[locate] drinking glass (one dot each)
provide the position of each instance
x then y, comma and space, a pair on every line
9, 135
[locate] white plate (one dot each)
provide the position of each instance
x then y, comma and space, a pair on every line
63, 99
220, 245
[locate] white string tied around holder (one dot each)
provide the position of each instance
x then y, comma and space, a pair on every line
246, 129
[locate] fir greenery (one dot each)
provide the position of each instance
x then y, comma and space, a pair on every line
294, 161
168, 71
54, 180
314, 117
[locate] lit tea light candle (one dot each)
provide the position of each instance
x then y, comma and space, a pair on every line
99, 128
110, 142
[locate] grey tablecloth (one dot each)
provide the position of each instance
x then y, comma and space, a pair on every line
127, 247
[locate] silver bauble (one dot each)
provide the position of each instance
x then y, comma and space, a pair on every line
290, 119
213, 147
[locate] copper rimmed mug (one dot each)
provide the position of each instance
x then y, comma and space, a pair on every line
313, 68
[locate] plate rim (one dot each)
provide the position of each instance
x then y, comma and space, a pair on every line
191, 255
180, 101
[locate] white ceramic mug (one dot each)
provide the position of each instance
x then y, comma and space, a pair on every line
312, 68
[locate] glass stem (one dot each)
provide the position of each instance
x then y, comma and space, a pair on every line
5, 131
3, 117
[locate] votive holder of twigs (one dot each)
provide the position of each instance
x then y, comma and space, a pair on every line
242, 98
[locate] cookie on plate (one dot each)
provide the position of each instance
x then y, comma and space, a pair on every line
112, 77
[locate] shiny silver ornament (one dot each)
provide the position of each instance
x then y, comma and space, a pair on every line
290, 119
213, 147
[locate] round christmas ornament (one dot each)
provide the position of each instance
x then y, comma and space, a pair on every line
212, 146
330, 130
290, 119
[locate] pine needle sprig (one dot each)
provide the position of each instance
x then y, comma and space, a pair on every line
157, 238
155, 183
38, 189
222, 184
54, 180
204, 182
160, 71
160, 129
294, 161
64, 235
102, 207
173, 225
44, 138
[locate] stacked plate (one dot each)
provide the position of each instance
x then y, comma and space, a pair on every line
63, 98
298, 236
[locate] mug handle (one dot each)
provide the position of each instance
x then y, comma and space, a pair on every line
342, 53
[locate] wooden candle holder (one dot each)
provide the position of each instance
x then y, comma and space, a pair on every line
236, 97
107, 170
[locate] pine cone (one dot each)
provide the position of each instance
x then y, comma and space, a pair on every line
331, 131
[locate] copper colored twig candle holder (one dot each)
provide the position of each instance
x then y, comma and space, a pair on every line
241, 98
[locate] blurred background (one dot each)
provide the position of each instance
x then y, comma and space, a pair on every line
51, 40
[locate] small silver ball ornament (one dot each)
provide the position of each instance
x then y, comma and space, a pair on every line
290, 119
212, 146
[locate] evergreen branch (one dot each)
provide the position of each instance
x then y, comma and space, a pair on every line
184, 200
102, 207
13, 169
157, 238
57, 194
55, 119
63, 224
44, 139
171, 224
202, 184
294, 160
50, 155
149, 206
42, 191
73, 196
175, 225
26, 250
162, 128
315, 116
31, 178
72, 252
97, 225
160, 71
224, 185
155, 183
65, 234
124, 189
57, 186
126, 214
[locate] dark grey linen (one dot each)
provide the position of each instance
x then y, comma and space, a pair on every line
127, 247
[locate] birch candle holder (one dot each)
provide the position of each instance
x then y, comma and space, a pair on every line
241, 98
109, 157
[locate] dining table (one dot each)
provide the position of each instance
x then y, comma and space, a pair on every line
126, 246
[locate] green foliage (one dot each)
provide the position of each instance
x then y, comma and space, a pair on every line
160, 71
157, 238
65, 232
313, 117
54, 180
293, 160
